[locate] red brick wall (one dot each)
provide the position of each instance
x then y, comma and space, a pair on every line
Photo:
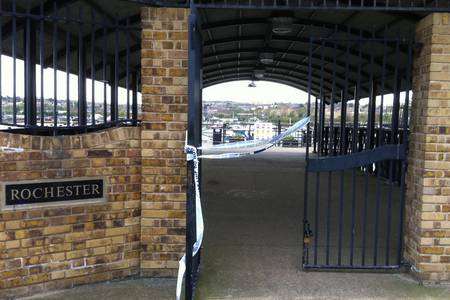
63, 246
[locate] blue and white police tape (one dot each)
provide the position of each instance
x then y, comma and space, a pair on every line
250, 148
200, 227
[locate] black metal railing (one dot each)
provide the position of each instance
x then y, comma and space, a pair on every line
356, 161
393, 5
334, 143
66, 67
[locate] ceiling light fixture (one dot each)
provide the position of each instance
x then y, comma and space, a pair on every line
282, 22
259, 72
266, 58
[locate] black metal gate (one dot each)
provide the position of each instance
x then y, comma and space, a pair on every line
359, 87
194, 135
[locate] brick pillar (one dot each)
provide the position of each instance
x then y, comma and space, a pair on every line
427, 235
164, 105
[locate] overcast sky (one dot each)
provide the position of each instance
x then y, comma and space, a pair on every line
61, 83
265, 92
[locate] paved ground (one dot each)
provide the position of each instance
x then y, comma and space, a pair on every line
133, 289
252, 246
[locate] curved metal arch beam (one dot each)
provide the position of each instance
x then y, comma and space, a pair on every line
327, 86
298, 21
327, 71
315, 79
249, 77
315, 87
326, 44
303, 54
315, 91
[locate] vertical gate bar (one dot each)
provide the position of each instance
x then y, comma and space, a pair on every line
55, 64
328, 219
1, 53
112, 80
372, 104
322, 124
68, 36
328, 215
127, 77
115, 99
332, 101
355, 147
364, 230
93, 66
331, 151
392, 139
405, 161
104, 76
319, 152
26, 54
370, 132
331, 123
322, 101
380, 164
134, 105
198, 123
190, 225
42, 60
377, 212
190, 234
14, 55
316, 217
366, 184
371, 113
396, 110
315, 123
341, 148
353, 213
341, 186
382, 91
30, 71
82, 107
344, 107
305, 242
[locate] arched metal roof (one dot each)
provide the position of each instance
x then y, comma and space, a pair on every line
235, 38
344, 47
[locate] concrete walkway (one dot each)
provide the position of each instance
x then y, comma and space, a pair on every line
252, 244
252, 248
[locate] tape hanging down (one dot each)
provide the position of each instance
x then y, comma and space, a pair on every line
191, 152
250, 148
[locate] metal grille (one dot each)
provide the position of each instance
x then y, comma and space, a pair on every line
355, 175
392, 5
67, 70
